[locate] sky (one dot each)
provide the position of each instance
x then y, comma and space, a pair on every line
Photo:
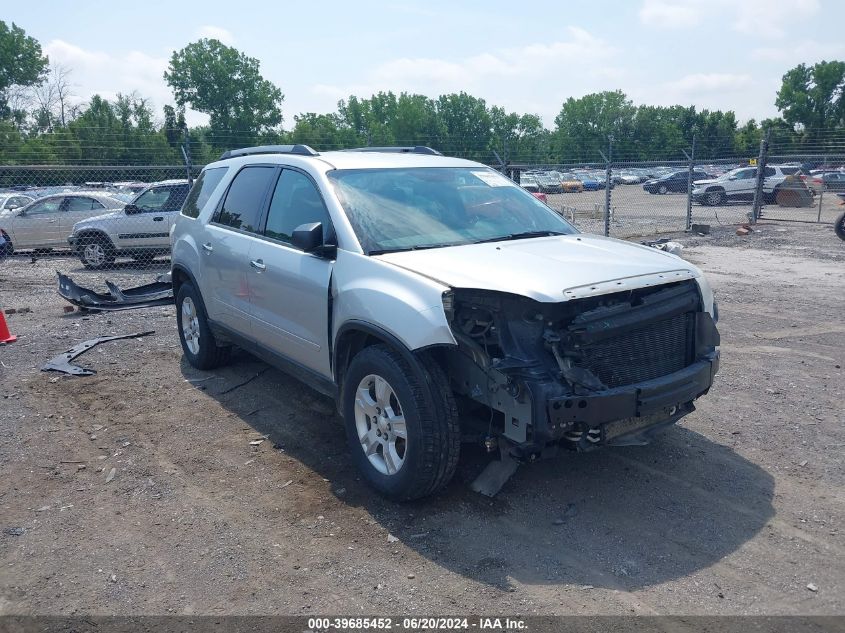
524, 57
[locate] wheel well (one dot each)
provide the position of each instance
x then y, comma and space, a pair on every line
715, 188
88, 234
178, 278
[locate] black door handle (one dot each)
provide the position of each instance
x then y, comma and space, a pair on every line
158, 219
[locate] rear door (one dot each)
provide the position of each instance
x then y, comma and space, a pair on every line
289, 289
224, 247
76, 208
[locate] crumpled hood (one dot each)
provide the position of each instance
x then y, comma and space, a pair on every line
548, 269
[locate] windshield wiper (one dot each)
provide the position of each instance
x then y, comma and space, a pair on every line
520, 236
422, 247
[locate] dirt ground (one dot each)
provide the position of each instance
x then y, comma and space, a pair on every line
737, 510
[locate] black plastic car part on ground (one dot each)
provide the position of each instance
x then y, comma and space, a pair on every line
158, 293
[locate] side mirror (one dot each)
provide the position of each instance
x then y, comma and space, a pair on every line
131, 209
309, 238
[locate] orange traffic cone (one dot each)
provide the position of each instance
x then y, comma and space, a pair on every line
5, 335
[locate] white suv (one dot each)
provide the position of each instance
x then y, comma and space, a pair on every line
410, 286
140, 230
739, 184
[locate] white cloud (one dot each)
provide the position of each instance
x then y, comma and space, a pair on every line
96, 72
703, 83
508, 77
216, 33
762, 18
807, 52
672, 13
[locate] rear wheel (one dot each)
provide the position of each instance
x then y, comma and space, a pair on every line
401, 424
839, 226
96, 252
198, 343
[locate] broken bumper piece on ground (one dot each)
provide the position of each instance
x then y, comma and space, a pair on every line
62, 361
158, 293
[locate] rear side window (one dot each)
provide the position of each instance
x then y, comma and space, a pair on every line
202, 189
242, 208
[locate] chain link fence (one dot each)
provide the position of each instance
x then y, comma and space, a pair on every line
113, 222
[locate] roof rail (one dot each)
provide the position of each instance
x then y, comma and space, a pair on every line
302, 150
417, 149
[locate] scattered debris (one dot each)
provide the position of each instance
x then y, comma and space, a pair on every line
287, 483
803, 463
245, 382
411, 576
14, 531
256, 442
62, 361
158, 293
701, 229
812, 587
392, 539
665, 244
43, 509
743, 231
111, 474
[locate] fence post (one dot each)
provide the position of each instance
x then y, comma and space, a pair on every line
821, 193
186, 154
608, 185
691, 157
761, 176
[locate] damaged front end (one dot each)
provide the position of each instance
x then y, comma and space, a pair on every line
612, 369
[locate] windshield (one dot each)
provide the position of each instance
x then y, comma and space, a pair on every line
426, 207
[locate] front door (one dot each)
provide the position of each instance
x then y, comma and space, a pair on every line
289, 289
149, 227
38, 225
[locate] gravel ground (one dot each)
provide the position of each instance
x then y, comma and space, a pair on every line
143, 490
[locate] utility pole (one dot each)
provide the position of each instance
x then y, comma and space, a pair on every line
691, 158
761, 176
186, 154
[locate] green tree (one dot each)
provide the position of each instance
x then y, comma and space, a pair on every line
583, 126
227, 85
813, 97
465, 124
21, 62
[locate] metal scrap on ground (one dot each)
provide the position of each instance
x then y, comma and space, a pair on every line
158, 293
62, 361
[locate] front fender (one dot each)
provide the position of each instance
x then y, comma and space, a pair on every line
404, 304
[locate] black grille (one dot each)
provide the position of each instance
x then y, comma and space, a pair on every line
645, 353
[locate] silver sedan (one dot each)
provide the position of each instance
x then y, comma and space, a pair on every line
46, 222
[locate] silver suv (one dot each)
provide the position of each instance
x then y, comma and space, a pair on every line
437, 302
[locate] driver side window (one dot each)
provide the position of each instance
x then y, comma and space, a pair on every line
153, 200
45, 207
295, 201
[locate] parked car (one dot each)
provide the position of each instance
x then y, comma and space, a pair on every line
675, 182
739, 184
540, 196
588, 183
569, 183
45, 222
829, 181
12, 201
548, 183
631, 178
402, 283
141, 229
529, 183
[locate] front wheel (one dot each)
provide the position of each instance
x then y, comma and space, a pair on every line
401, 423
663, 190
714, 198
97, 253
839, 226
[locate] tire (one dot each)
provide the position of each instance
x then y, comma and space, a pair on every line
7, 249
96, 252
663, 190
425, 459
198, 343
714, 198
839, 226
